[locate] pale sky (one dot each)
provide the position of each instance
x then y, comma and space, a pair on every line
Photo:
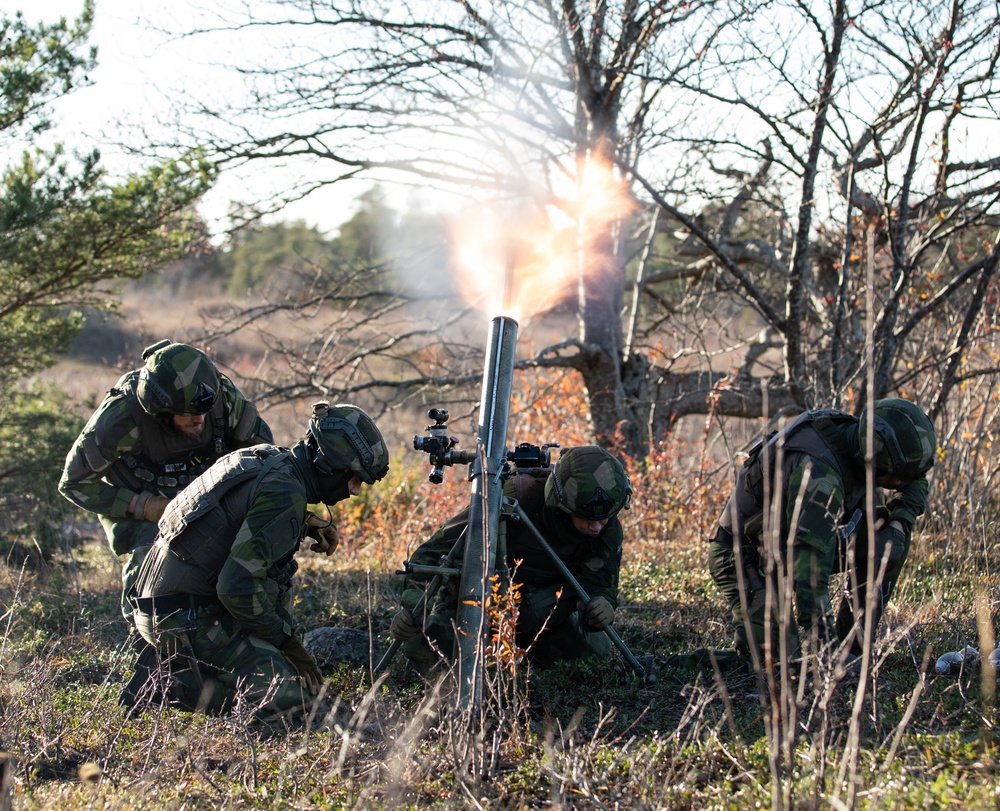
138, 67
136, 64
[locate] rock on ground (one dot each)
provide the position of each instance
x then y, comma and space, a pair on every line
333, 646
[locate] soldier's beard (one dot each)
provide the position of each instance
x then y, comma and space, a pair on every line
190, 427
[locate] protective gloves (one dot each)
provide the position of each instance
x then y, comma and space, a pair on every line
403, 626
325, 536
599, 613
153, 510
303, 663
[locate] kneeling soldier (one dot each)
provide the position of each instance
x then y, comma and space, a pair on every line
575, 506
157, 429
214, 593
786, 515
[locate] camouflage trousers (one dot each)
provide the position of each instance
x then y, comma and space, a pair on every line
130, 539
215, 666
562, 637
747, 592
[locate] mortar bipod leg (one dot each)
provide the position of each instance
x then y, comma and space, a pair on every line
612, 634
430, 590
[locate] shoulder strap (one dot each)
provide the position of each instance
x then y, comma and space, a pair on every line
126, 386
205, 492
280, 455
220, 419
823, 420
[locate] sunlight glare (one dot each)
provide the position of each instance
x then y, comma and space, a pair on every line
520, 266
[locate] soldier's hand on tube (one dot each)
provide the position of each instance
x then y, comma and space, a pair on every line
403, 626
304, 665
324, 534
599, 613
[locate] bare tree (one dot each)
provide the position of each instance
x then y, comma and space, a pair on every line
762, 142
864, 144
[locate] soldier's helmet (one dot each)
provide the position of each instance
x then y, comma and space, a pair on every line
344, 437
588, 482
177, 379
904, 439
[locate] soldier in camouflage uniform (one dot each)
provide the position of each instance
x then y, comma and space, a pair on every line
215, 590
158, 428
575, 504
815, 468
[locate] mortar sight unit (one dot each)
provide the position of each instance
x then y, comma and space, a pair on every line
527, 455
440, 446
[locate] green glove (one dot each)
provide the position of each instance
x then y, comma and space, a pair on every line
403, 626
303, 663
599, 613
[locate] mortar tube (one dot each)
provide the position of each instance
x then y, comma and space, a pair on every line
486, 473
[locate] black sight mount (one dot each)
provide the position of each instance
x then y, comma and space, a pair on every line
441, 449
440, 446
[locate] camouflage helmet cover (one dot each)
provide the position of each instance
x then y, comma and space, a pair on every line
588, 482
177, 379
904, 438
347, 439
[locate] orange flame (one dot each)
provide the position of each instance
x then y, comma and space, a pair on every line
512, 265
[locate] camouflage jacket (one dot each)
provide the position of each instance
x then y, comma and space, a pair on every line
594, 562
233, 533
123, 450
816, 468
821, 475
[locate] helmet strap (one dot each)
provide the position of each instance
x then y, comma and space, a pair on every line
317, 456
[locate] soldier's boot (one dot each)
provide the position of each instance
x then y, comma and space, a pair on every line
432, 652
143, 688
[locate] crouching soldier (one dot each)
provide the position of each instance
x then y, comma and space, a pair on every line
796, 517
157, 429
214, 593
575, 506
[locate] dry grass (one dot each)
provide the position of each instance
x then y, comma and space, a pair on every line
573, 737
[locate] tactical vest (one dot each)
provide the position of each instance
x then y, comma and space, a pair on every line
167, 461
196, 526
199, 500
825, 421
